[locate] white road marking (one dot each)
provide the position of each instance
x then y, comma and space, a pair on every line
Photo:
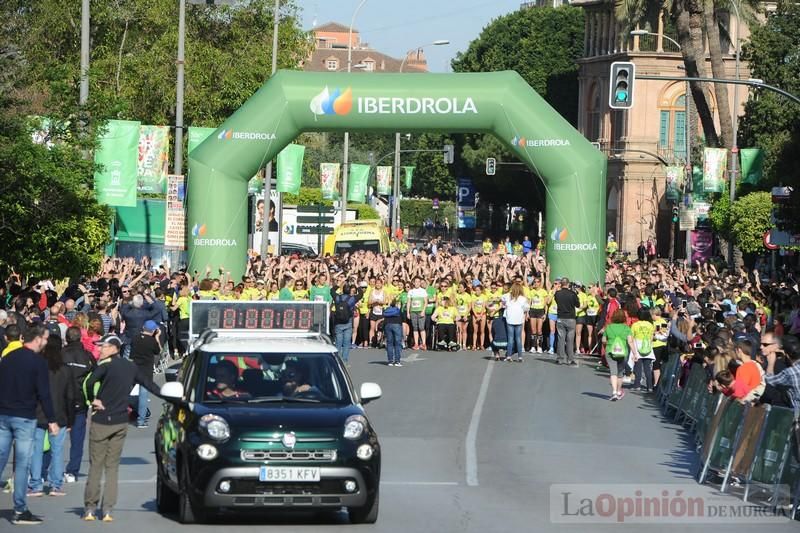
412, 358
127, 481
419, 483
472, 432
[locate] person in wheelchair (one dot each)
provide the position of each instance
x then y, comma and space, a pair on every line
225, 386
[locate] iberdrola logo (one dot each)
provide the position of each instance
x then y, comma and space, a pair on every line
519, 141
199, 230
559, 235
333, 102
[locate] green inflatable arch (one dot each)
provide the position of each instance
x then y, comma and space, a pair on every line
500, 103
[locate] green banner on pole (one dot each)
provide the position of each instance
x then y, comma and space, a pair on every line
714, 161
115, 182
329, 179
290, 168
197, 135
697, 181
357, 186
384, 175
675, 180
752, 165
409, 176
153, 160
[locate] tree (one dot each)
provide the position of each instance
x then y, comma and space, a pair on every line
51, 223
432, 177
770, 122
750, 216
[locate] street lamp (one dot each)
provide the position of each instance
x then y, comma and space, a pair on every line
686, 140
395, 207
734, 170
347, 133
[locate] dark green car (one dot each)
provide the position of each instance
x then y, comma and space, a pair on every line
264, 423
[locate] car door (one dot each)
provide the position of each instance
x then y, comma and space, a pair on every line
173, 430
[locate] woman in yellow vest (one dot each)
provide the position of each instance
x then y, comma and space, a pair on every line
537, 295
592, 312
463, 301
479, 307
444, 317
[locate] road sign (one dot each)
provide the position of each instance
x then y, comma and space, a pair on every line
315, 209
317, 219
314, 230
435, 203
491, 166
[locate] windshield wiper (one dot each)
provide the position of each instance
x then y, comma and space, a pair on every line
287, 399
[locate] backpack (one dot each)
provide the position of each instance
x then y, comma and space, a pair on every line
644, 346
342, 314
618, 348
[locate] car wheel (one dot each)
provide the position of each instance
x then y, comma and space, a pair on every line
188, 512
368, 514
166, 499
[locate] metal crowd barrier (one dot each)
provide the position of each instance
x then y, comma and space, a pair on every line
745, 445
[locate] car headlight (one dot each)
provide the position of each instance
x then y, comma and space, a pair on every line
354, 427
215, 427
364, 452
207, 452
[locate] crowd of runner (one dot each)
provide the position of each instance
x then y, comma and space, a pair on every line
742, 327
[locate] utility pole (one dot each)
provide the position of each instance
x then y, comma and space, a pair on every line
268, 170
178, 164
85, 21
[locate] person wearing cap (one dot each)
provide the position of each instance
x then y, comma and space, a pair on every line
145, 349
109, 426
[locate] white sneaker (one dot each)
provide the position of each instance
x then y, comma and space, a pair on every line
539, 350
551, 351
627, 379
69, 478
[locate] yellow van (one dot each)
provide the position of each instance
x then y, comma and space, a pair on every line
357, 235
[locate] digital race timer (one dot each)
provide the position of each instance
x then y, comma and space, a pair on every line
224, 315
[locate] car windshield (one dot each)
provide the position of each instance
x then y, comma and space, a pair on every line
266, 378
354, 246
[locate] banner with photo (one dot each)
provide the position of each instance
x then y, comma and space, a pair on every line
290, 168
409, 176
714, 161
329, 180
175, 225
752, 166
384, 175
153, 163
676, 177
702, 245
262, 210
116, 155
357, 183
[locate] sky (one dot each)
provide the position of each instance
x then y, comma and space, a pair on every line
396, 26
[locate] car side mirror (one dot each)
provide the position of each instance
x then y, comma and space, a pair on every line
172, 391
369, 392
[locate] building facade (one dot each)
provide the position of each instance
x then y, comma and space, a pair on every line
642, 140
331, 48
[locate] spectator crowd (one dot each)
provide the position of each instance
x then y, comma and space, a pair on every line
60, 340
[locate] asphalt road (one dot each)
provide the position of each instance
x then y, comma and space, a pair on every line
469, 445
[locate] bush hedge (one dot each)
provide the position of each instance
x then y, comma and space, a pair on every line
414, 212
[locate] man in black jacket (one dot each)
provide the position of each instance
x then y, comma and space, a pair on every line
145, 348
109, 427
80, 363
24, 384
567, 302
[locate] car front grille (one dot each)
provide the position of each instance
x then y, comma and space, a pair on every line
325, 486
318, 456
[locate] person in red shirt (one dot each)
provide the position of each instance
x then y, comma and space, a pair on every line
748, 383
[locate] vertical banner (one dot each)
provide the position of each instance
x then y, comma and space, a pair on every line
357, 183
384, 175
409, 176
687, 218
290, 168
465, 200
197, 135
714, 161
115, 182
329, 179
752, 166
675, 180
153, 159
701, 242
257, 224
175, 226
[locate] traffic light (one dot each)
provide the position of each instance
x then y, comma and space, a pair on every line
449, 152
675, 215
620, 94
491, 166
